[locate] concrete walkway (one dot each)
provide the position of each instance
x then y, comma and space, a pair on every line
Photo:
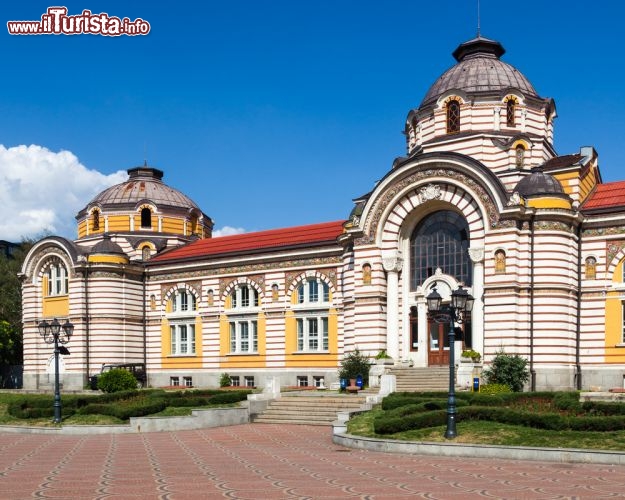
255, 461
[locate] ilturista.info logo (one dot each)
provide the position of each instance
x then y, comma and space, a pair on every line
56, 21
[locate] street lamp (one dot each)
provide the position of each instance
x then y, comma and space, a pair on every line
51, 333
457, 312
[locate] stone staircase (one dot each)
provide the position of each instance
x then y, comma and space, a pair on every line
431, 378
308, 409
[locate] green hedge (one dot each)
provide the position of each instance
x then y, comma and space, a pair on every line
123, 404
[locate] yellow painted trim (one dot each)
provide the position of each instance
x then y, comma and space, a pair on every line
520, 142
301, 360
548, 202
56, 306
614, 327
108, 259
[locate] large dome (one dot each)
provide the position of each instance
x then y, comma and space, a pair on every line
479, 69
144, 183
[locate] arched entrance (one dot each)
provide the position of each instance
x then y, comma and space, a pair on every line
438, 255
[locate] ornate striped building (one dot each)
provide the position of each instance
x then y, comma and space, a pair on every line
480, 199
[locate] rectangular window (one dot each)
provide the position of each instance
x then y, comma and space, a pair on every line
302, 381
313, 291
174, 381
318, 381
312, 334
235, 381
243, 336
182, 339
245, 296
57, 280
188, 381
249, 381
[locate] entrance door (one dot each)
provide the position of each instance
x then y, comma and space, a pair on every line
438, 336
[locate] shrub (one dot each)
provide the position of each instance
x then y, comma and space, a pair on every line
117, 380
355, 363
507, 369
495, 389
224, 380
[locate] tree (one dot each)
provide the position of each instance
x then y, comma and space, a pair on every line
355, 363
11, 305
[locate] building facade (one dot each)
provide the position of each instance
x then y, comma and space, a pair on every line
481, 199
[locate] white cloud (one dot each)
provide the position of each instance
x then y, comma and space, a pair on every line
41, 190
227, 231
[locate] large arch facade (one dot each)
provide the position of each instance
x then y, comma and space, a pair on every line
405, 198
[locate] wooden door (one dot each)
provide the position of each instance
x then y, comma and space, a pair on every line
438, 340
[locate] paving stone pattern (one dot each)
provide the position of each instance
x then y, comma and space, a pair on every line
258, 461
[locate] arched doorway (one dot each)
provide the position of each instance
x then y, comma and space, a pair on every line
439, 244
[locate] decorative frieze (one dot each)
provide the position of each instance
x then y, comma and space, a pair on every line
429, 192
245, 269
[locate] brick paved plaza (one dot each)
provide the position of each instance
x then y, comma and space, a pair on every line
272, 462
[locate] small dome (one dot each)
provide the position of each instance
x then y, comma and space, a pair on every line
107, 246
479, 70
538, 183
144, 183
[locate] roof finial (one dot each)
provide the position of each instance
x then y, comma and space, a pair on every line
145, 153
478, 18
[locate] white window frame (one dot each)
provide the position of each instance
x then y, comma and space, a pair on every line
244, 296
243, 335
183, 301
312, 333
58, 280
182, 338
313, 291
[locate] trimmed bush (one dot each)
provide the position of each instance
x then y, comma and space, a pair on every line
117, 380
385, 425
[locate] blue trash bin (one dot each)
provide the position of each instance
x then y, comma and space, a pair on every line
343, 384
359, 382
476, 384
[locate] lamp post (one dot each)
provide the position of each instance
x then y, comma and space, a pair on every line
457, 311
51, 333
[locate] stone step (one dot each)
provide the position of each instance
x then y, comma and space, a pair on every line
310, 410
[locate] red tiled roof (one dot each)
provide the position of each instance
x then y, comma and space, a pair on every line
605, 196
313, 234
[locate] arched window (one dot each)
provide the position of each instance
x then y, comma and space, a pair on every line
519, 155
440, 240
183, 301
57, 279
591, 268
313, 290
275, 292
244, 296
146, 218
500, 261
510, 112
96, 220
453, 117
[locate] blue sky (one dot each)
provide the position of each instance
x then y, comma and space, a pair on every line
273, 113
